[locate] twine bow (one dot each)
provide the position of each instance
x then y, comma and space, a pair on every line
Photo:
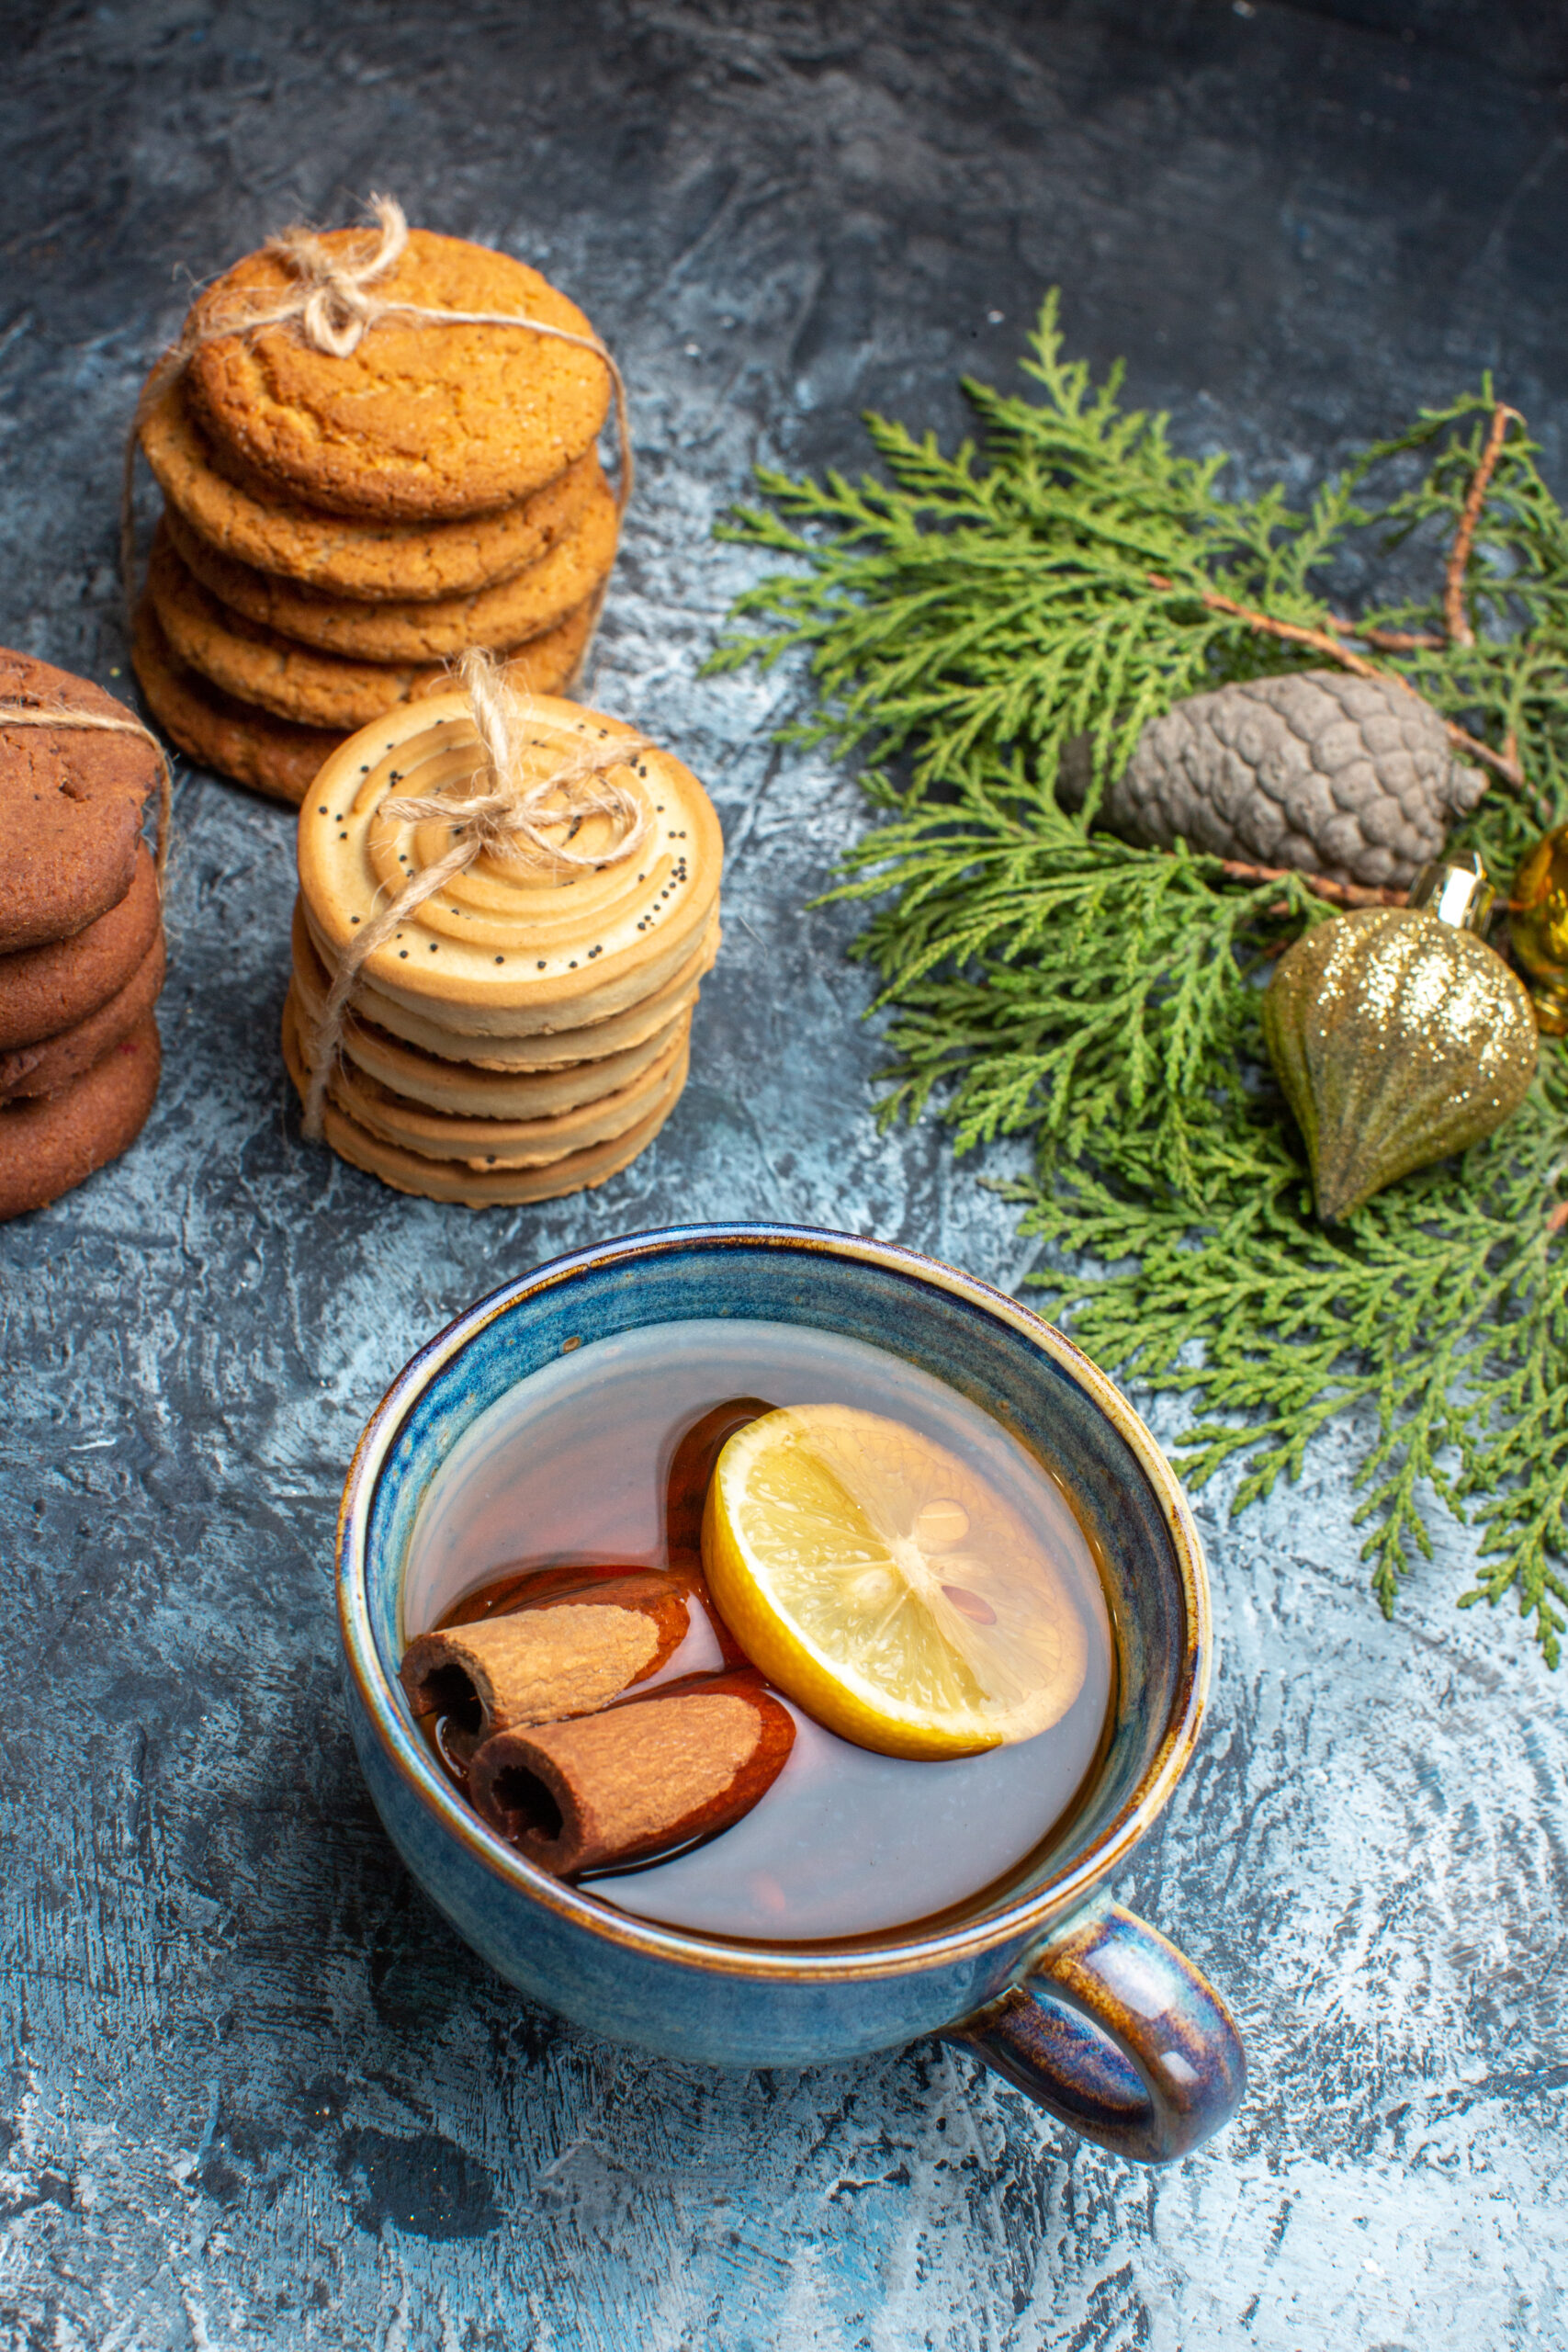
59, 714
336, 310
331, 308
490, 811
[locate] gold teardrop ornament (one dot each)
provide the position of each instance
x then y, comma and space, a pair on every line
1398, 1038
1538, 926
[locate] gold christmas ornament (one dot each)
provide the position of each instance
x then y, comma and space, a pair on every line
1538, 926
1399, 1036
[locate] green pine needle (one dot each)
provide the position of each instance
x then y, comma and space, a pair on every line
967, 619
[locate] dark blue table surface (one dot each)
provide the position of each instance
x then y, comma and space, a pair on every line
255, 2094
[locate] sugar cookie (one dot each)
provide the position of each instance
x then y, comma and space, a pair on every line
243, 515
235, 739
421, 419
525, 606
310, 688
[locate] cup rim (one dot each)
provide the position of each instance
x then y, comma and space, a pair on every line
1021, 1921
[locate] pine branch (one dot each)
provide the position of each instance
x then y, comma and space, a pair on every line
967, 620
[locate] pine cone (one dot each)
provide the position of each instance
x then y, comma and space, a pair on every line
1329, 773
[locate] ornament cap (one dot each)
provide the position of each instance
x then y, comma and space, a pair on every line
1456, 891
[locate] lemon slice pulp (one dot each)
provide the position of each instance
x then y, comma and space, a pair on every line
883, 1584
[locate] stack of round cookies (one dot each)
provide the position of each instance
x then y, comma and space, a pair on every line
81, 935
340, 524
523, 1031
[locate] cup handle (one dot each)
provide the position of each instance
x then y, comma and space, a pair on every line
1118, 2036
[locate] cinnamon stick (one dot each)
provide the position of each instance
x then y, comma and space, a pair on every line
638, 1779
563, 1655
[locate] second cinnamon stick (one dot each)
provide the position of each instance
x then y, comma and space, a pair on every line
640, 1778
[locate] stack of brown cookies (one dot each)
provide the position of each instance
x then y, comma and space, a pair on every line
338, 528
81, 937
523, 1033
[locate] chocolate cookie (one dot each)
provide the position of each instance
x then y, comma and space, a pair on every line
427, 630
244, 517
231, 737
45, 990
71, 802
50, 1143
53, 1062
312, 689
420, 419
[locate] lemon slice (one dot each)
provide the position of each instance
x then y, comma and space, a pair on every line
882, 1584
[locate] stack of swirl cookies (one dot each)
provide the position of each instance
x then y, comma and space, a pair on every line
80, 938
338, 529
524, 1032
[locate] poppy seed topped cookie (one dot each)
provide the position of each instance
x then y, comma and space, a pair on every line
520, 896
589, 1043
472, 1184
470, 1089
420, 419
491, 1139
71, 800
511, 945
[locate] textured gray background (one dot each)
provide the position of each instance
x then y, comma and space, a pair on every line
256, 2095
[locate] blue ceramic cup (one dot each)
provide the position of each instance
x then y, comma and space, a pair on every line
1076, 2000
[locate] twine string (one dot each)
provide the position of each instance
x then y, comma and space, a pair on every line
331, 308
336, 308
44, 714
489, 811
